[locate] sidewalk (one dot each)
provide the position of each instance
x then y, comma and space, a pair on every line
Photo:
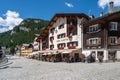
29, 69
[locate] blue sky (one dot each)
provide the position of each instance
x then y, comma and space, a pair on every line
45, 9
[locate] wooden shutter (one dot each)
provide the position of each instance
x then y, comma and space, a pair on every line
109, 40
77, 43
99, 41
118, 41
87, 42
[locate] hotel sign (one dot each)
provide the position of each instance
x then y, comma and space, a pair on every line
62, 40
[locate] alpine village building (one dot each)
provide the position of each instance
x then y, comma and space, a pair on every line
74, 34
62, 37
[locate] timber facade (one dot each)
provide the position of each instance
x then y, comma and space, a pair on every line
102, 36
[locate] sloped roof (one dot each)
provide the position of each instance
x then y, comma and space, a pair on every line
103, 19
54, 19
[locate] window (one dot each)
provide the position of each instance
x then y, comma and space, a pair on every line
113, 26
52, 30
93, 41
61, 36
51, 46
113, 40
61, 26
51, 38
72, 43
93, 28
61, 45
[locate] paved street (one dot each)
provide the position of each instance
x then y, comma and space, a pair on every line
28, 69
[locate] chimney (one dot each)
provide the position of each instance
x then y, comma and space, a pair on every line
101, 14
111, 5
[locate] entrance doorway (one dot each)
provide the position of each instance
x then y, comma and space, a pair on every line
76, 57
112, 55
100, 56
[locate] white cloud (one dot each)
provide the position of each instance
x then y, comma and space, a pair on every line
104, 3
3, 30
69, 5
12, 19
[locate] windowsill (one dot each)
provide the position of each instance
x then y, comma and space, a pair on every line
94, 31
113, 44
94, 45
113, 30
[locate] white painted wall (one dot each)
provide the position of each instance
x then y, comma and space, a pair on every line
105, 52
118, 55
36, 44
64, 30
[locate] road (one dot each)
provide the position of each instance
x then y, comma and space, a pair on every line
28, 69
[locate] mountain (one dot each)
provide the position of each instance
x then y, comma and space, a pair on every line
23, 33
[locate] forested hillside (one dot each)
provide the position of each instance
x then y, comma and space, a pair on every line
23, 33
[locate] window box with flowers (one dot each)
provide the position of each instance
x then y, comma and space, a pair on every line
43, 48
69, 26
44, 41
51, 48
71, 47
69, 36
60, 48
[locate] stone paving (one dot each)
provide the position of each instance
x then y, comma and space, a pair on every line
28, 69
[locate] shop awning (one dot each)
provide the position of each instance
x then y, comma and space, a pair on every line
46, 51
44, 54
34, 53
68, 51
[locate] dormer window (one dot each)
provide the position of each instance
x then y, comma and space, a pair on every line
113, 26
93, 28
61, 26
